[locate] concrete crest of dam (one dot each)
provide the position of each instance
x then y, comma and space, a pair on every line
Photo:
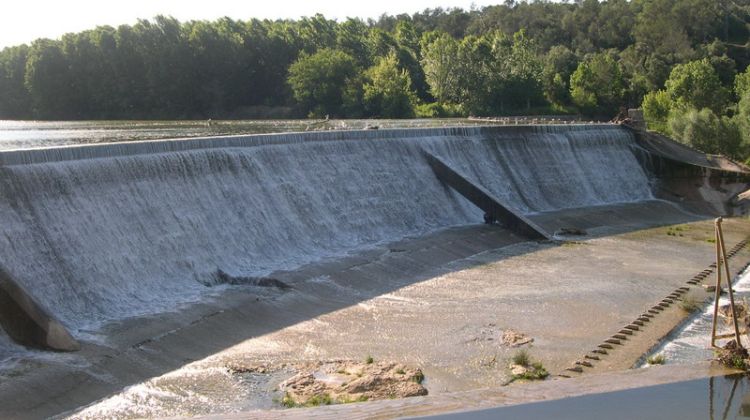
93, 235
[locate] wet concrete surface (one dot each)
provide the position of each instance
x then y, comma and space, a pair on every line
438, 302
614, 395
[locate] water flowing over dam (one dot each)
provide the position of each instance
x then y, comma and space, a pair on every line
100, 233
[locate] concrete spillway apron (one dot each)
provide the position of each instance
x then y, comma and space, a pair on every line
480, 197
27, 322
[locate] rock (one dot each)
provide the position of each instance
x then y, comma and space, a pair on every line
518, 370
570, 231
349, 381
236, 367
514, 338
733, 356
222, 277
726, 311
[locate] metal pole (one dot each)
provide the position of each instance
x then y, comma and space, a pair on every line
729, 284
718, 282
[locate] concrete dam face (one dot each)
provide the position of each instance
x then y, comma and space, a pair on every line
93, 234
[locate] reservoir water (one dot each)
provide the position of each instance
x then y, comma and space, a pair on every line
32, 134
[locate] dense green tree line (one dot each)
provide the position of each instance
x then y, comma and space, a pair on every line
685, 61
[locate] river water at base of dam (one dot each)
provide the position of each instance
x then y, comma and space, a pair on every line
692, 342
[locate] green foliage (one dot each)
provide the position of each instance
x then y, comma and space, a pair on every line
387, 91
656, 359
656, 106
521, 358
738, 363
742, 120
559, 63
438, 110
369, 360
597, 85
48, 80
706, 131
490, 74
318, 400
418, 377
288, 402
742, 83
534, 370
442, 68
696, 85
690, 304
15, 101
319, 81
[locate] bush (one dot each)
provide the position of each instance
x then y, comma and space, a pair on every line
438, 110
705, 131
387, 91
656, 106
656, 359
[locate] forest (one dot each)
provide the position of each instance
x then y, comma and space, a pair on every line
685, 62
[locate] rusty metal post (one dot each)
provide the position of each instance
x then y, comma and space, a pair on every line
728, 276
718, 283
723, 263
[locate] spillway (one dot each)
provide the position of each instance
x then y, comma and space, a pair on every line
551, 168
100, 233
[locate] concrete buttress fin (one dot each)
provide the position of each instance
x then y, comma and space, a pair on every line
483, 199
27, 322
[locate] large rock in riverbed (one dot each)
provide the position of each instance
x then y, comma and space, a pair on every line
349, 381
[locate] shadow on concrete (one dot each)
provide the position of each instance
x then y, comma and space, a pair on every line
146, 347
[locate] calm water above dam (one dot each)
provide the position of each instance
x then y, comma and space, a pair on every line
32, 134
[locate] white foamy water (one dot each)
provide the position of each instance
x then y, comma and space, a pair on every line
100, 233
692, 342
189, 391
552, 169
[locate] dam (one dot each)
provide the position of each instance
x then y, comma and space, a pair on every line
96, 236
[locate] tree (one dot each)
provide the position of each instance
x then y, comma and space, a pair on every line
320, 81
559, 65
696, 85
499, 59
742, 83
479, 78
441, 67
15, 101
597, 85
387, 91
524, 84
706, 131
351, 37
49, 81
316, 33
656, 108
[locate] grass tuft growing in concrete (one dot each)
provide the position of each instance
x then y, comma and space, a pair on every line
532, 371
691, 304
521, 358
656, 359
